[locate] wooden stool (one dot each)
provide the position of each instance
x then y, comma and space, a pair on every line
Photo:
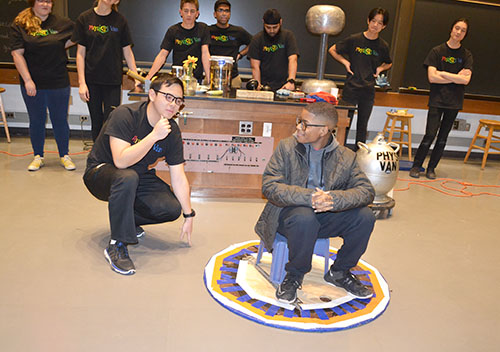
391, 126
493, 126
4, 118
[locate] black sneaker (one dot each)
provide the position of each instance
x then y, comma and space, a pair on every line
430, 174
415, 172
287, 290
349, 282
139, 231
117, 256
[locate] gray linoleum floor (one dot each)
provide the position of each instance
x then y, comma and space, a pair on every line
438, 253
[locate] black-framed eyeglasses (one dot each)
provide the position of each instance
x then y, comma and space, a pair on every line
170, 97
304, 124
219, 10
44, 1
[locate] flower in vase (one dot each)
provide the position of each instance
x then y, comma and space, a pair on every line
190, 62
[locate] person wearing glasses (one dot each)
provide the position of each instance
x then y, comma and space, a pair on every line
186, 38
103, 39
38, 43
316, 189
226, 39
118, 170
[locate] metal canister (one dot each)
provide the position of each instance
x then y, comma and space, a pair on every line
220, 72
380, 162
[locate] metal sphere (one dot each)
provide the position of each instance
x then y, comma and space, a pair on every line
317, 85
325, 19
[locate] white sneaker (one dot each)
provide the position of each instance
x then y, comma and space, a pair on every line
68, 163
36, 164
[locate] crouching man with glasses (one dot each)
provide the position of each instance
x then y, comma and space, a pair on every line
315, 189
118, 169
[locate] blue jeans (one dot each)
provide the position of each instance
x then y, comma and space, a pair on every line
302, 226
57, 101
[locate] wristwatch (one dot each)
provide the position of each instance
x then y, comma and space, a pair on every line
291, 80
190, 215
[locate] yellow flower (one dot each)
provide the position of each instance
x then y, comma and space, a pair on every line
190, 62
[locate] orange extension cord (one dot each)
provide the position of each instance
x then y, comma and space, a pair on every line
462, 192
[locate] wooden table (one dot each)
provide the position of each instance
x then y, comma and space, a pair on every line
219, 115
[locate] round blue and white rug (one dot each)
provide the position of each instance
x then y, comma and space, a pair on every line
234, 281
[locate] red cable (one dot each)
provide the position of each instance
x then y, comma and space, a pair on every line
463, 192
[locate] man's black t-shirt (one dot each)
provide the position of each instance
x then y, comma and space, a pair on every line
130, 123
44, 51
443, 58
227, 42
365, 55
103, 38
273, 53
186, 42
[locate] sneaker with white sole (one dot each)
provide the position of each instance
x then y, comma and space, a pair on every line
349, 282
36, 164
287, 290
139, 231
117, 256
68, 163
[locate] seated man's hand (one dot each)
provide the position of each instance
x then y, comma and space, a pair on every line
321, 201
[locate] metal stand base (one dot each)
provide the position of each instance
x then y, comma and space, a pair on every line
382, 210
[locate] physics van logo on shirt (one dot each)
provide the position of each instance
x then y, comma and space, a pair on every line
273, 48
103, 29
44, 32
222, 38
187, 41
451, 59
366, 51
156, 146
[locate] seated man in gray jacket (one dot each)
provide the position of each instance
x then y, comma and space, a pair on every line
315, 189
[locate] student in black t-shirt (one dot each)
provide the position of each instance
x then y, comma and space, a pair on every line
273, 54
226, 39
103, 38
186, 38
365, 55
118, 169
449, 70
38, 42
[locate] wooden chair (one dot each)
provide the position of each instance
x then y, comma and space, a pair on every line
399, 123
4, 118
280, 256
492, 126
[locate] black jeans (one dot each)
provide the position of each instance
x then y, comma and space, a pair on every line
103, 99
301, 226
437, 119
133, 199
364, 100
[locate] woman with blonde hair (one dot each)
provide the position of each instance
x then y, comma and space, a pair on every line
38, 43
103, 39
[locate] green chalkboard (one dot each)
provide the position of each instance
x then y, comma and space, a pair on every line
9, 11
431, 26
